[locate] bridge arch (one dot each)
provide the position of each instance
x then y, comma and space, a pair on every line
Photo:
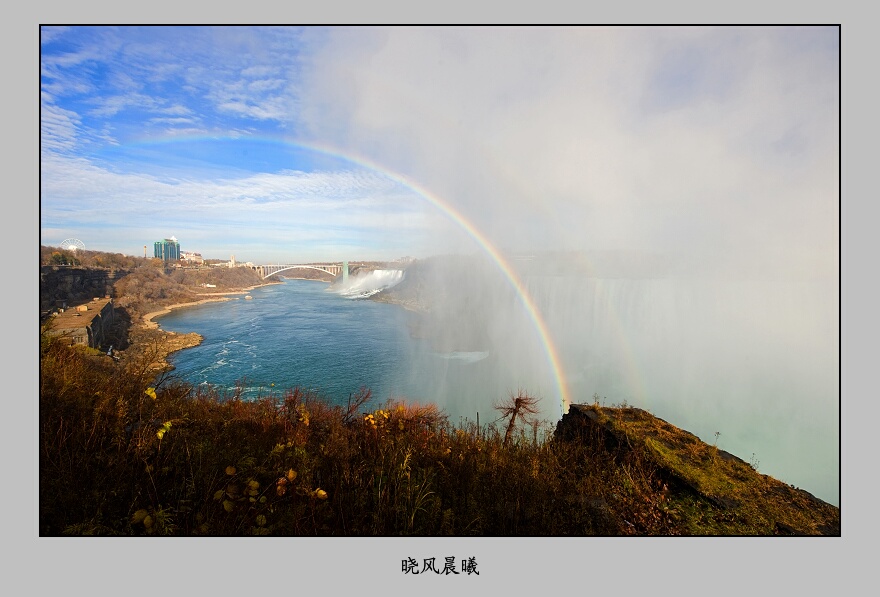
267, 271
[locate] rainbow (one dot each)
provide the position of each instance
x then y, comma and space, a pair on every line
453, 214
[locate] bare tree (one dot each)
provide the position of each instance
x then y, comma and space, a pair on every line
520, 406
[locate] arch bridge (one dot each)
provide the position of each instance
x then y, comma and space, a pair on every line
334, 269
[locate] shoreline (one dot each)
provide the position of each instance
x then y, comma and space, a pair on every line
218, 298
148, 318
172, 342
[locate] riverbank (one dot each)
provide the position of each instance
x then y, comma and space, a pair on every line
164, 343
216, 298
148, 318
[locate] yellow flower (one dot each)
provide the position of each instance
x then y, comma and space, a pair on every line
320, 494
151, 392
165, 428
230, 470
291, 475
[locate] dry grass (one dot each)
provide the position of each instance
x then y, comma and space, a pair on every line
125, 453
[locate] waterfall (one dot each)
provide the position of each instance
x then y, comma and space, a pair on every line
366, 284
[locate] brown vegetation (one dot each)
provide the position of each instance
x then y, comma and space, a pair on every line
124, 452
85, 258
151, 288
127, 449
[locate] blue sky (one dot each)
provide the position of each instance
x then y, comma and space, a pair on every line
720, 142
149, 132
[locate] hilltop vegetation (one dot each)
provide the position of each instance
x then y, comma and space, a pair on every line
138, 286
123, 452
153, 287
128, 449
86, 258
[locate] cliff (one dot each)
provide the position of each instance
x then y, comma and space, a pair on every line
75, 284
705, 490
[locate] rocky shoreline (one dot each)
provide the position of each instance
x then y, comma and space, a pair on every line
166, 343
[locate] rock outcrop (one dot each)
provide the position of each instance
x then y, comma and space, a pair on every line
698, 476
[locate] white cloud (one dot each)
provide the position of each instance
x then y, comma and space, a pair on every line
58, 127
112, 105
50, 33
258, 71
331, 207
266, 85
174, 121
272, 109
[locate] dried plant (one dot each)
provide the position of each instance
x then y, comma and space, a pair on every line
519, 406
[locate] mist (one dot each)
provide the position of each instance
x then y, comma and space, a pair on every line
667, 197
365, 284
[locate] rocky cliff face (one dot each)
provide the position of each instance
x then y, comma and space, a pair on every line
75, 284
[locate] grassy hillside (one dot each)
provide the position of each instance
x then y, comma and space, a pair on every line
127, 449
124, 453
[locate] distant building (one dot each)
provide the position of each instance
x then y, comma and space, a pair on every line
167, 250
192, 257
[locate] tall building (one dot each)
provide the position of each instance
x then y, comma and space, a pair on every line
167, 250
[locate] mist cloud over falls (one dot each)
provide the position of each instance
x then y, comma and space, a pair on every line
756, 359
710, 155
367, 283
719, 143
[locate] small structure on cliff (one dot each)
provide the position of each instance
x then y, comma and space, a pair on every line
86, 324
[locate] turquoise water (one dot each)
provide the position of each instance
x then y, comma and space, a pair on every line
757, 362
297, 334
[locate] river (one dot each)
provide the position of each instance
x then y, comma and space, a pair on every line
297, 334
752, 365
